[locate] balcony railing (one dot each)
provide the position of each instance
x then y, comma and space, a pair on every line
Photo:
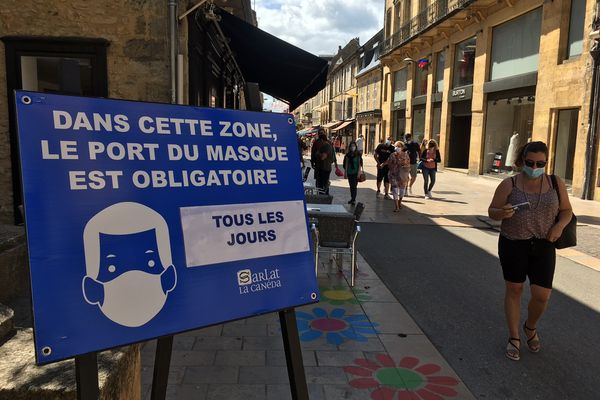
435, 12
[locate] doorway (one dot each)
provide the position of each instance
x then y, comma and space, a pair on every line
460, 135
564, 148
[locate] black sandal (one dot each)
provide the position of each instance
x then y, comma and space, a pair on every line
514, 352
533, 342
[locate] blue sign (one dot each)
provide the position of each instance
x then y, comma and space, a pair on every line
145, 220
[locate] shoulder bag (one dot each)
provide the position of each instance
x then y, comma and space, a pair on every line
568, 238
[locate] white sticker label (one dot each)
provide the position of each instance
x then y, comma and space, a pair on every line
217, 234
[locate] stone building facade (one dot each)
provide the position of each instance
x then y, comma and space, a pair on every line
368, 83
485, 77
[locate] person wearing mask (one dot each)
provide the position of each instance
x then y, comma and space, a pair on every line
324, 157
382, 153
399, 172
413, 150
534, 209
430, 158
353, 165
360, 143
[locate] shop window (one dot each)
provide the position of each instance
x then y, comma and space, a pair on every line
420, 85
576, 21
439, 71
564, 148
516, 46
400, 84
418, 123
509, 123
436, 122
399, 124
464, 63
76, 67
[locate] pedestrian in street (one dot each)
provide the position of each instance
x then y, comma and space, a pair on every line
430, 159
528, 205
424, 144
413, 150
360, 144
382, 153
399, 173
353, 166
324, 157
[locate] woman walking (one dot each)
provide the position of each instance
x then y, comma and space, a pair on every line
353, 165
430, 158
399, 173
528, 205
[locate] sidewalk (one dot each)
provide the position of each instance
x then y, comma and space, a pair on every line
356, 344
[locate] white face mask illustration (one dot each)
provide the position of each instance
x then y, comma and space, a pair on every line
129, 269
134, 297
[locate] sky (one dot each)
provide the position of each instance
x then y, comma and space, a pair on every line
320, 26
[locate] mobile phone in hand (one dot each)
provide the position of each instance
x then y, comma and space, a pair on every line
516, 207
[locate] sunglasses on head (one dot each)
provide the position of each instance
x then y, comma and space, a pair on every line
538, 164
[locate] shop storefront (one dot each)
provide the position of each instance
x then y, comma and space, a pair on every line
399, 105
368, 124
511, 91
460, 98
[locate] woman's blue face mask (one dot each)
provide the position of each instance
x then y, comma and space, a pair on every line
533, 172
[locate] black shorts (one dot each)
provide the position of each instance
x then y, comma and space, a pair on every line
532, 258
382, 174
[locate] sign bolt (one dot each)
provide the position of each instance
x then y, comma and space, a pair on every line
313, 296
290, 121
26, 100
46, 351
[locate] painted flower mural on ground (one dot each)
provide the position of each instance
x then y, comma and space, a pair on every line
406, 380
338, 295
335, 326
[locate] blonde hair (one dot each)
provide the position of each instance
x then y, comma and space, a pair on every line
399, 144
432, 141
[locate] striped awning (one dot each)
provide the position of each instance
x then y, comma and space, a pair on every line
331, 124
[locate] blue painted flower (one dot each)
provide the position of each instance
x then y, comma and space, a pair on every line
336, 326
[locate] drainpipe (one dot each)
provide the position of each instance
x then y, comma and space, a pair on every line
173, 47
592, 137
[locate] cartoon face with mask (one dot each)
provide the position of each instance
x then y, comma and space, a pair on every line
128, 263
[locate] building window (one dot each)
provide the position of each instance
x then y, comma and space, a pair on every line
400, 84
509, 124
516, 46
62, 66
418, 123
439, 71
576, 21
420, 83
566, 139
406, 11
388, 23
385, 86
464, 63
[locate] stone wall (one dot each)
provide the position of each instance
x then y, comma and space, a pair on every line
137, 56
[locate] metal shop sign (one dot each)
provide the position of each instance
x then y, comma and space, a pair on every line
145, 220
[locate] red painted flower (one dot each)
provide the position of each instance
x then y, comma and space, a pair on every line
406, 381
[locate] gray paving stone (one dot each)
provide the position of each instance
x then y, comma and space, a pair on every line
392, 318
263, 343
276, 358
282, 392
337, 358
375, 290
346, 392
237, 392
186, 392
372, 344
218, 343
274, 329
324, 375
317, 344
214, 374
183, 342
245, 329
266, 375
175, 374
241, 357
192, 357
210, 331
264, 319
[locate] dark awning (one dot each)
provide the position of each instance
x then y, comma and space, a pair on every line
280, 69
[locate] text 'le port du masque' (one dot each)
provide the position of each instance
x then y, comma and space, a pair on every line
95, 122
